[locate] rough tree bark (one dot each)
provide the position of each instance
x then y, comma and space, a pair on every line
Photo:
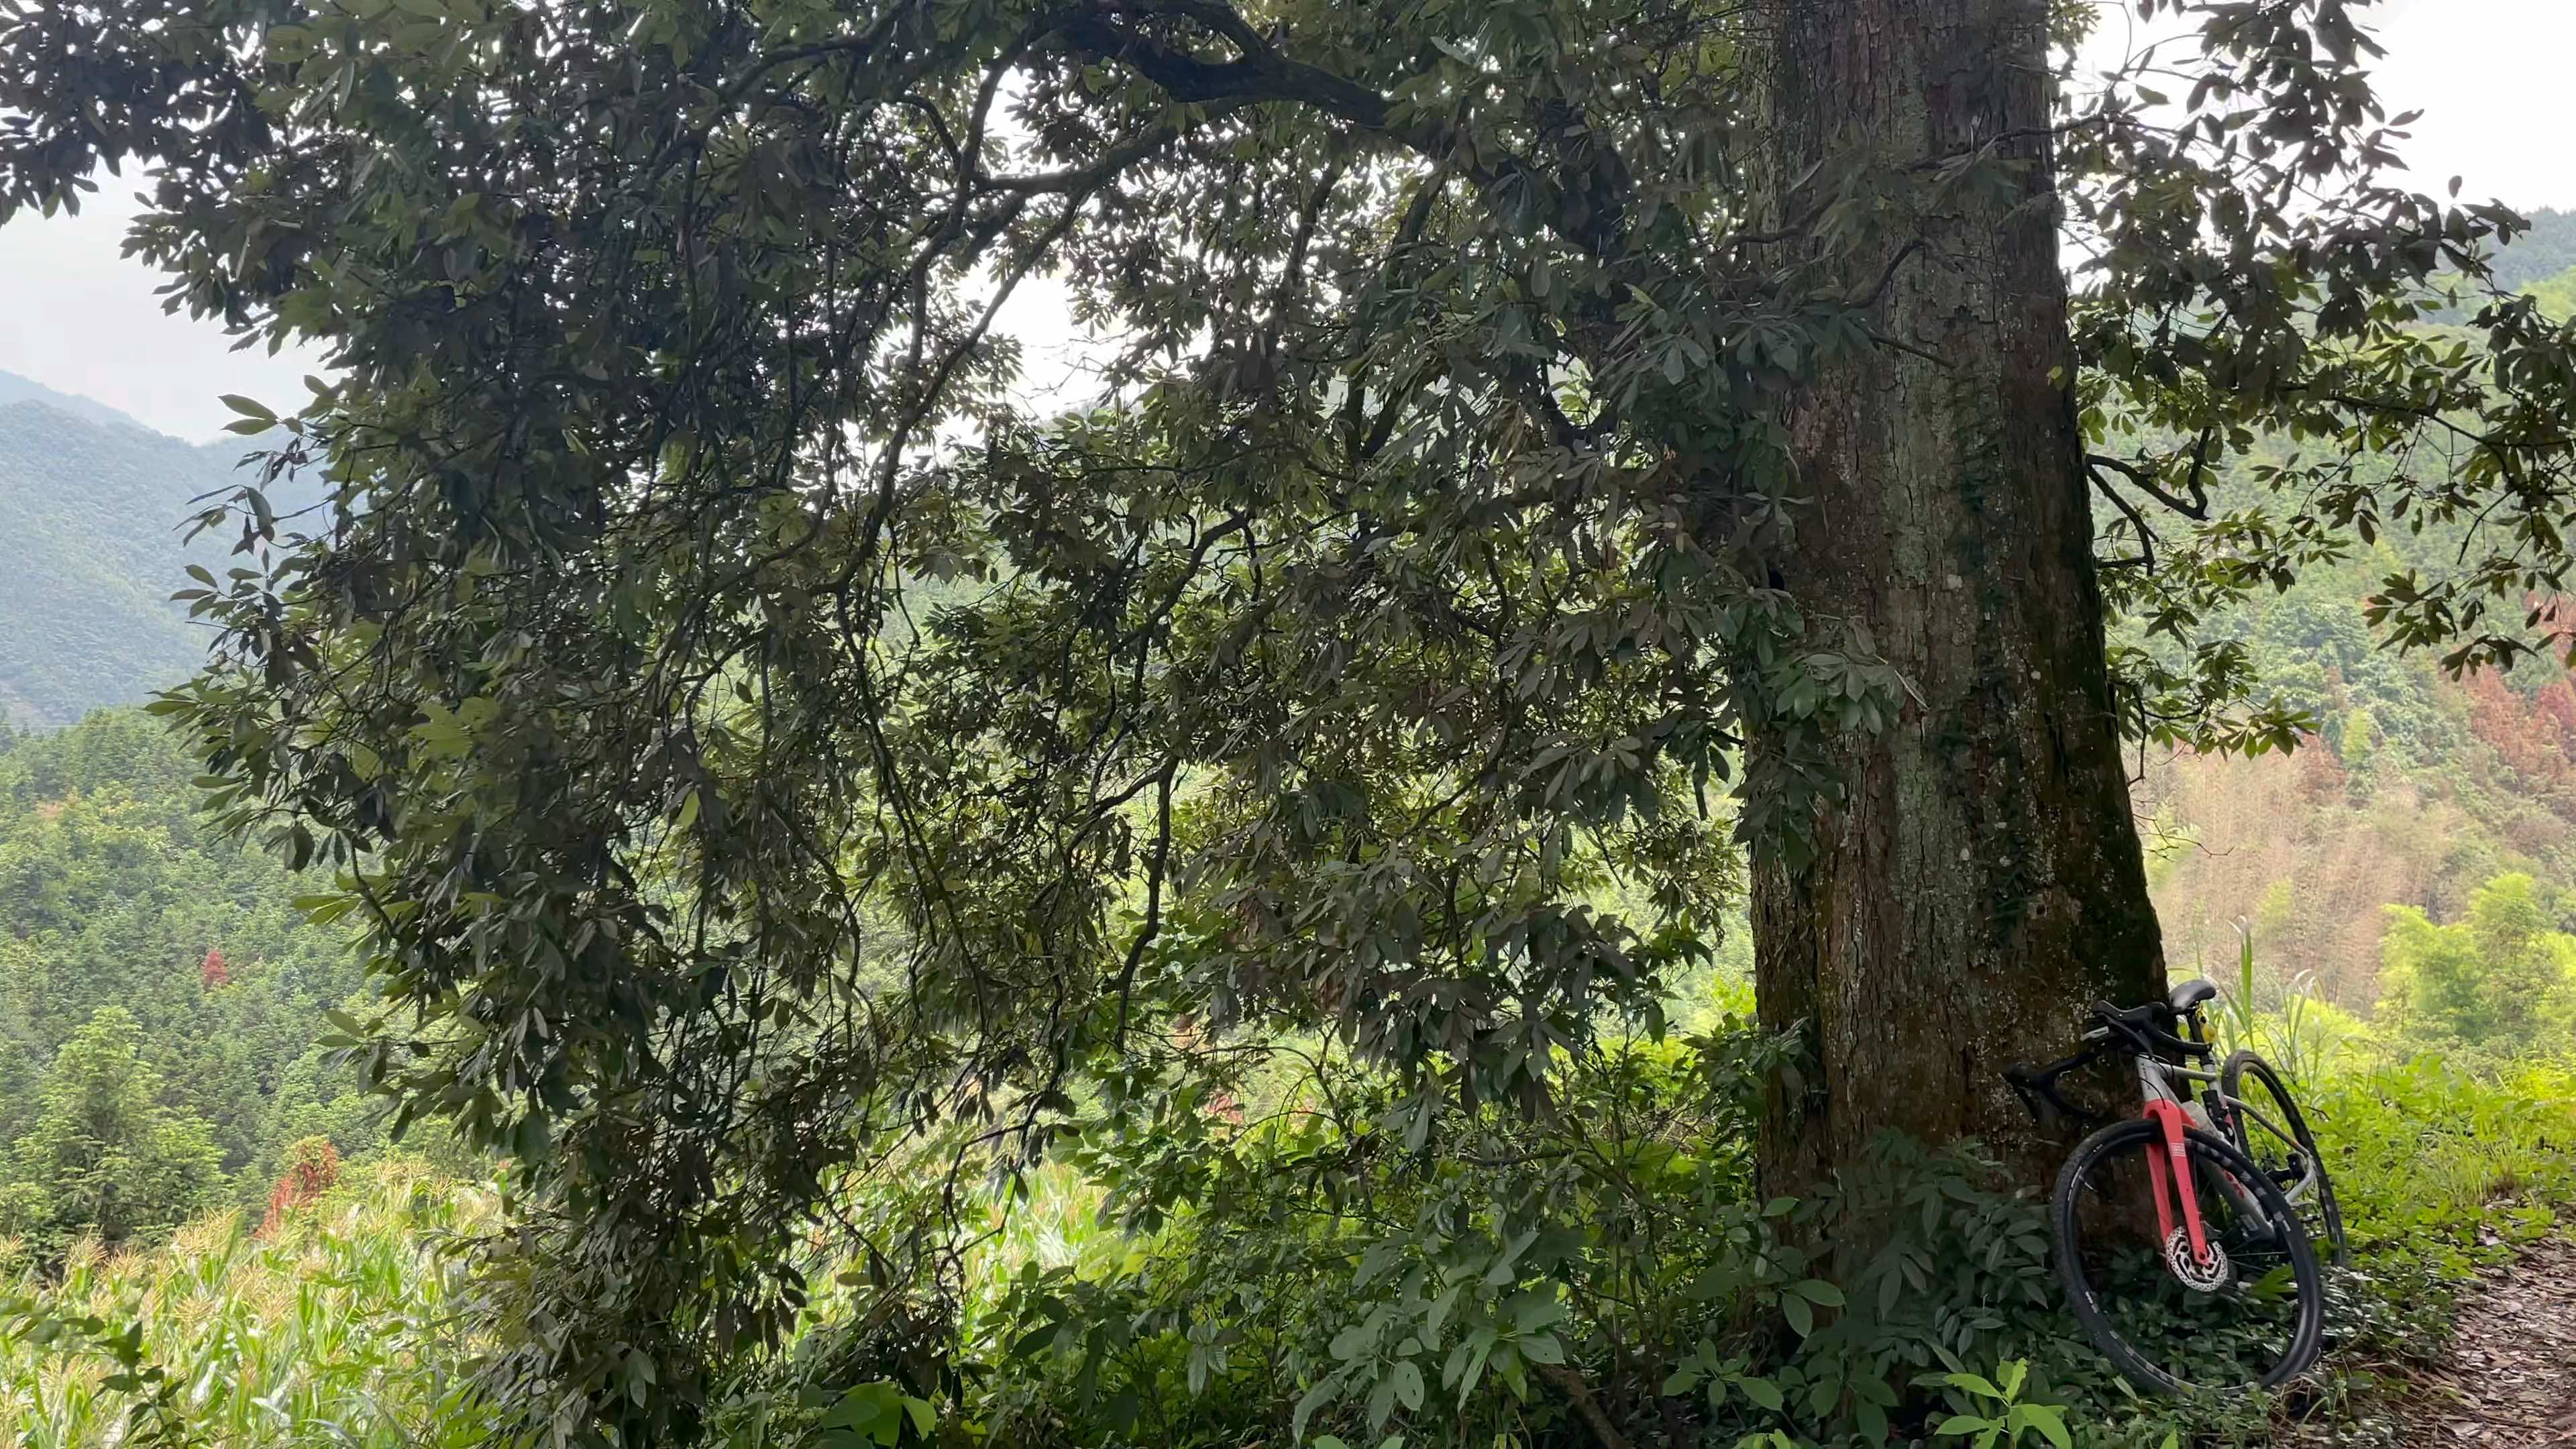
1981, 880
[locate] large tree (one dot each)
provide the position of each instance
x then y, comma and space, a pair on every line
1974, 878
764, 750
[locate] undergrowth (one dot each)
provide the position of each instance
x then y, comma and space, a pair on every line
1610, 1278
1183, 1276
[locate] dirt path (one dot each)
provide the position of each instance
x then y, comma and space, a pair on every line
2510, 1382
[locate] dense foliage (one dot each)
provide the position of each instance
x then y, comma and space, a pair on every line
124, 1059
339, 1325
102, 1155
2503, 980
1261, 1306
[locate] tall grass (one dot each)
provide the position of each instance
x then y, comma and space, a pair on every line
2429, 1154
341, 1329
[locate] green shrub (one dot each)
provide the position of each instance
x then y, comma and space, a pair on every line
103, 1155
1614, 1261
2501, 982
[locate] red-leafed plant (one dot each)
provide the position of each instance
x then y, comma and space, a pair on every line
312, 1168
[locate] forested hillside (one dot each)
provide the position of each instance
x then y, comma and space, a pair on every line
146, 964
2416, 789
94, 506
2545, 253
2413, 790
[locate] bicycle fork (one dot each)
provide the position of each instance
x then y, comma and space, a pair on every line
2170, 1177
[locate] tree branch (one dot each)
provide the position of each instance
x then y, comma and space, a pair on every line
1261, 73
2146, 536
2145, 482
1569, 1382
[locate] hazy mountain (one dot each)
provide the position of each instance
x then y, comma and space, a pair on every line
2543, 252
92, 507
16, 389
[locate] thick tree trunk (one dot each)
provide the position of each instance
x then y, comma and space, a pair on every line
1981, 881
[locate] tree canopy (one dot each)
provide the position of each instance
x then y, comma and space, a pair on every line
2503, 980
114, 893
103, 1155
766, 755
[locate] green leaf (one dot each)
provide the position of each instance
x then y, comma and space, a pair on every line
1408, 1384
1976, 1384
2013, 1373
1535, 1310
2048, 1419
1315, 1397
876, 1410
1478, 1353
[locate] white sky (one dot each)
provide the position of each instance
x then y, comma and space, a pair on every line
2491, 75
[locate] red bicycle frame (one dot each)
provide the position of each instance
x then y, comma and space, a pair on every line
2173, 1167
2161, 1084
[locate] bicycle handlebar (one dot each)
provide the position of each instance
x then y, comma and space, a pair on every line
2143, 1025
2035, 1085
2138, 1029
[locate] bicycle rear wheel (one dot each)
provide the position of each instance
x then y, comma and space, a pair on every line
2265, 1121
2256, 1315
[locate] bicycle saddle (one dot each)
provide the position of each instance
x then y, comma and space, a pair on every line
2192, 993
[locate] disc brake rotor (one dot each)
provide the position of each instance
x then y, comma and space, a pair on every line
2198, 1276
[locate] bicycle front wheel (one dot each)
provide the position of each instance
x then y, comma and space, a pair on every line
2268, 1127
2254, 1313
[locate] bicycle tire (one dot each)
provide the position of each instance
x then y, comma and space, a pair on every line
2210, 1151
2230, 1077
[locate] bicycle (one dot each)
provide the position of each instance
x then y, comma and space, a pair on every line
2224, 1287
2279, 1140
